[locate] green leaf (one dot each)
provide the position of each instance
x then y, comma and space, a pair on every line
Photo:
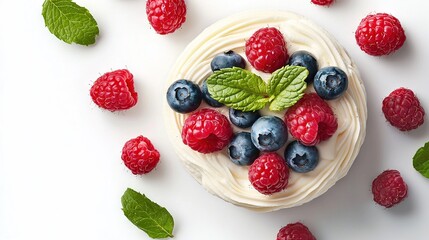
153, 219
421, 160
238, 88
70, 22
286, 86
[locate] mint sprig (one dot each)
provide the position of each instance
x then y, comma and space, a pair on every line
421, 160
70, 22
243, 90
147, 215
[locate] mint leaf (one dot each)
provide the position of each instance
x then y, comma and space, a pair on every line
70, 22
153, 219
238, 88
421, 160
286, 86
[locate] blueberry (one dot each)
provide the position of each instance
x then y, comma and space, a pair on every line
227, 59
241, 149
184, 96
243, 119
330, 82
301, 158
305, 59
207, 97
269, 133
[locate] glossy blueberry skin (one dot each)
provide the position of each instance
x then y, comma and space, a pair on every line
243, 119
184, 96
269, 133
241, 150
227, 59
305, 59
330, 82
207, 97
301, 158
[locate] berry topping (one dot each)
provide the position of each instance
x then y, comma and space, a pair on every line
301, 158
389, 188
330, 82
269, 173
184, 96
295, 231
166, 16
305, 59
380, 34
266, 50
114, 90
207, 97
206, 131
243, 119
139, 155
227, 59
402, 109
269, 133
322, 2
311, 120
241, 149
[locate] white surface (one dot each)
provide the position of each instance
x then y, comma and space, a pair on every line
61, 176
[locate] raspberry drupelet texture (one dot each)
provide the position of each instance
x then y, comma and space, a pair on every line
311, 120
322, 2
380, 34
295, 231
402, 109
269, 173
207, 131
114, 90
266, 50
389, 188
166, 16
139, 155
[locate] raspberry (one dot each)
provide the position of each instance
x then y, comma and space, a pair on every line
296, 231
380, 34
389, 188
114, 91
166, 16
402, 109
322, 2
311, 120
139, 155
269, 173
266, 50
206, 131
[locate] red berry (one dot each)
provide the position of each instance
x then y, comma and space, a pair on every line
402, 109
380, 34
114, 90
206, 131
295, 231
269, 173
389, 188
311, 120
322, 2
139, 155
166, 16
266, 50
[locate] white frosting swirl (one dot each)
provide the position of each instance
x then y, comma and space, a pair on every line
229, 181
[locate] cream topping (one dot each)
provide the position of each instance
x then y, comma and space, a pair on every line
229, 181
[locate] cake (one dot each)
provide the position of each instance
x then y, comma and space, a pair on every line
215, 171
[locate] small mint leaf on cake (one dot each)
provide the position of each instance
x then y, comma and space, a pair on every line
238, 88
286, 86
147, 215
70, 22
421, 160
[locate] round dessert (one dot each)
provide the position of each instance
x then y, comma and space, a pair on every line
229, 181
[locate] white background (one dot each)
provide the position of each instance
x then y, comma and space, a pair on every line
61, 175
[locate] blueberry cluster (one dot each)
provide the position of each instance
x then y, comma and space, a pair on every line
267, 133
